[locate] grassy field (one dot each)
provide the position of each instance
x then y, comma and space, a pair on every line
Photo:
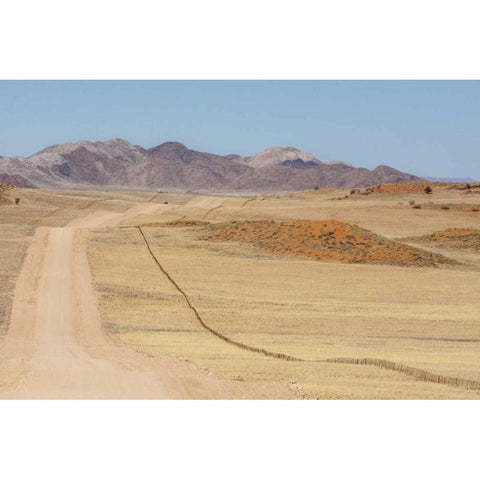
14, 240
263, 295
421, 317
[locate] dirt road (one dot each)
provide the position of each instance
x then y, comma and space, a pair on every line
56, 348
60, 367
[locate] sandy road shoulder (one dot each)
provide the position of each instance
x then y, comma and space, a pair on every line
18, 347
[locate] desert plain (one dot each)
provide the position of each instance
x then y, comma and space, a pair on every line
368, 293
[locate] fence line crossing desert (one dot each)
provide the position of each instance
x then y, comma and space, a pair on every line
326, 293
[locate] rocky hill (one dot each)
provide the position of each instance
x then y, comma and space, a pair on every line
171, 165
16, 180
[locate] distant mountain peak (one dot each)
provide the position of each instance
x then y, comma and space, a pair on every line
278, 155
115, 142
169, 145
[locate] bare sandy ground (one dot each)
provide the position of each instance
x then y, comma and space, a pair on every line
56, 348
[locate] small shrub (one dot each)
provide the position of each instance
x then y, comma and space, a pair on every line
416, 206
411, 202
17, 201
445, 207
316, 188
428, 189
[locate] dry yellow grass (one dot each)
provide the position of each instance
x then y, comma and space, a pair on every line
425, 318
14, 241
302, 308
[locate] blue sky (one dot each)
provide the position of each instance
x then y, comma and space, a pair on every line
422, 127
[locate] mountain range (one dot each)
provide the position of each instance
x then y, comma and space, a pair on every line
172, 166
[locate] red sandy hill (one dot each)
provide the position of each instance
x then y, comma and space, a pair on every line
461, 238
328, 241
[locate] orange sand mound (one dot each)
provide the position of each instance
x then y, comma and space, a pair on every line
416, 187
463, 238
413, 187
329, 241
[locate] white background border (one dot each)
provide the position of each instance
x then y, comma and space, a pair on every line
256, 39
239, 440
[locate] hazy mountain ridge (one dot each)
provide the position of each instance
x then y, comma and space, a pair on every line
172, 165
451, 180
